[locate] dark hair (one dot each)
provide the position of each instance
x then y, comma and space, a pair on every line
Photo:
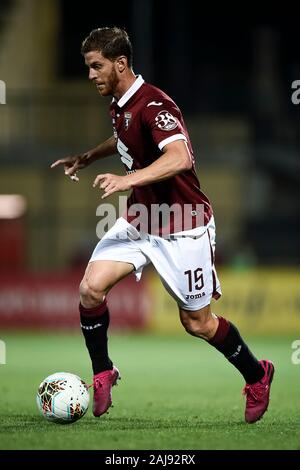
112, 42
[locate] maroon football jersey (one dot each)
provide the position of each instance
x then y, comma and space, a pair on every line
145, 119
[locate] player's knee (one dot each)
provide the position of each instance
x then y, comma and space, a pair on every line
201, 328
91, 294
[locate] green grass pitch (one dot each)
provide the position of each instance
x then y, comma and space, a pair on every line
176, 392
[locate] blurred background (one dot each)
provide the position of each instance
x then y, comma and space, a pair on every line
232, 78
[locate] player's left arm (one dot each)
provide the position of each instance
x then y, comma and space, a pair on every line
175, 159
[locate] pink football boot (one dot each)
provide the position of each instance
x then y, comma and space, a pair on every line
103, 382
258, 394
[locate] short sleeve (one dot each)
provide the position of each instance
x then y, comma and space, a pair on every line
163, 118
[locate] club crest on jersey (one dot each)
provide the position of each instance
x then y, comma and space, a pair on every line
166, 121
127, 119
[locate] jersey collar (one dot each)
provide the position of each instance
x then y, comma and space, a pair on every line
131, 91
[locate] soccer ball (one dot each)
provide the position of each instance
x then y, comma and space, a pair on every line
63, 398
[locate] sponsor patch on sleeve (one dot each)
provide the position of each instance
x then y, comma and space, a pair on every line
166, 121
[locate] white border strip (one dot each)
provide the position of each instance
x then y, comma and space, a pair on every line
168, 140
131, 91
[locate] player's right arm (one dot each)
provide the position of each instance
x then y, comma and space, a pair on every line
76, 162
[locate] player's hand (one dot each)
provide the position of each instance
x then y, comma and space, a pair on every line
111, 183
73, 164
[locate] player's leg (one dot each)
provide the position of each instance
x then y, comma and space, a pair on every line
99, 278
187, 271
114, 257
225, 337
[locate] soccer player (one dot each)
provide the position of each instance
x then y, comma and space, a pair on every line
151, 138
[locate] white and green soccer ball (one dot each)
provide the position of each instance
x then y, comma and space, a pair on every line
63, 398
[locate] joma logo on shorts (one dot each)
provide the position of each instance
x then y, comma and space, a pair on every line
194, 296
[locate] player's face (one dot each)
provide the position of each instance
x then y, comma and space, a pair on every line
102, 72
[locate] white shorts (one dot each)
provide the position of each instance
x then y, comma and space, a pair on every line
184, 263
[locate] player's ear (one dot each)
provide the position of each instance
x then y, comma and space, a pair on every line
121, 63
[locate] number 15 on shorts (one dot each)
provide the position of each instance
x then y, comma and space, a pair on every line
195, 279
